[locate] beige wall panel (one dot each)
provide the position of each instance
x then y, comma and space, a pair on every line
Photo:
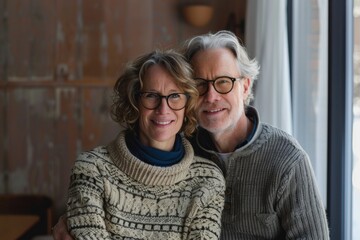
114, 54
68, 27
31, 35
3, 139
96, 118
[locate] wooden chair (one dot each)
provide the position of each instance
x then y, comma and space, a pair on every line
26, 204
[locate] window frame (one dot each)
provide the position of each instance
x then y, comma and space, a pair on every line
339, 200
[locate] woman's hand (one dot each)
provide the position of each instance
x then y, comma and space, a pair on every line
60, 231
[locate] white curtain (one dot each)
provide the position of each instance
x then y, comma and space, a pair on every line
310, 82
266, 39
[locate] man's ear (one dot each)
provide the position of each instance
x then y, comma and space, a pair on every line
246, 86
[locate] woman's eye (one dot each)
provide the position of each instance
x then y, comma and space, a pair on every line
152, 95
201, 85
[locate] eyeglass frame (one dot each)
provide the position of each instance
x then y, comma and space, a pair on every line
160, 97
232, 79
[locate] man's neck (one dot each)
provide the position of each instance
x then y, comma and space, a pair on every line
227, 141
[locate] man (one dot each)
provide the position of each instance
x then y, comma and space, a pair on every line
271, 190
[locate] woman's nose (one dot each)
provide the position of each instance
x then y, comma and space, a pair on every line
163, 106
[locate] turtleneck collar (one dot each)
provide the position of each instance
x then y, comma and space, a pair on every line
145, 173
153, 156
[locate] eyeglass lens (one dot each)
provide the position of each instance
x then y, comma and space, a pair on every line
175, 101
222, 85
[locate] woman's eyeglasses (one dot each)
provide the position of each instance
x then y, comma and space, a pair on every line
152, 100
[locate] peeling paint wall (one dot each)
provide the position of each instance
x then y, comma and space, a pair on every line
58, 63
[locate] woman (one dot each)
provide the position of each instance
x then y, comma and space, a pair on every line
147, 183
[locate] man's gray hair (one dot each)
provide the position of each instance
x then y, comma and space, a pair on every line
249, 68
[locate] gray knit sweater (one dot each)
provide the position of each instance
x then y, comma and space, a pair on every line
113, 195
271, 191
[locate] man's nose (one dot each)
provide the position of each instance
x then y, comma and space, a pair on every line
211, 94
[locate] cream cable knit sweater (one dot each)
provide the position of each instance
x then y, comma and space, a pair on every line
113, 195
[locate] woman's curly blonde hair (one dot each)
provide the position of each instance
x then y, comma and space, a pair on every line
125, 107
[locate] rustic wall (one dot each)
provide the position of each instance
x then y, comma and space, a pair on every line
58, 62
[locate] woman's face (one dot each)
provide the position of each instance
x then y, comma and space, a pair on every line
158, 127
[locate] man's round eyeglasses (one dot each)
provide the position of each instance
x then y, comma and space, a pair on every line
222, 85
152, 100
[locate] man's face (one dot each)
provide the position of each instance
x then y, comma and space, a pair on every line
220, 113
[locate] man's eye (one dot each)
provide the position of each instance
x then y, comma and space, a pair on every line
174, 96
223, 81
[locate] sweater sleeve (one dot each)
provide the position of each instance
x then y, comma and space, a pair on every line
85, 200
299, 204
206, 223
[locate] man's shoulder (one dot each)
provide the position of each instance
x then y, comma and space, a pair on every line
277, 135
194, 139
282, 147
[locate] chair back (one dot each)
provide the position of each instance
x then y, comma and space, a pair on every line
28, 204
